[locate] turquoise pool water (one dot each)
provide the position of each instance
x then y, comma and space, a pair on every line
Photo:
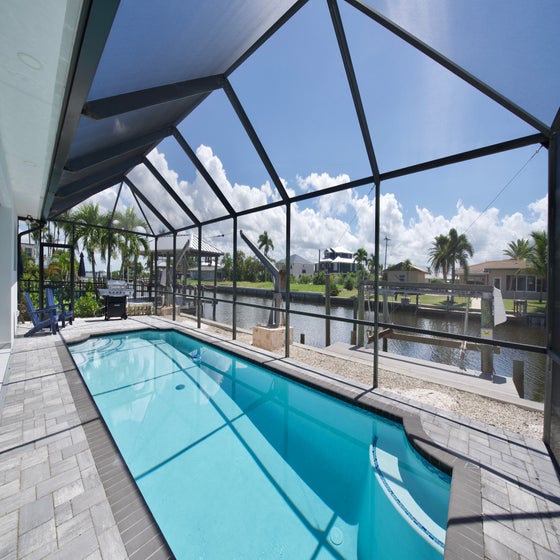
235, 461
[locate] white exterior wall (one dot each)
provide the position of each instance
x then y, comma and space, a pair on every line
297, 269
8, 275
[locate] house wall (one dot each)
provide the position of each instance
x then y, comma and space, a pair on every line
405, 276
8, 275
525, 286
297, 269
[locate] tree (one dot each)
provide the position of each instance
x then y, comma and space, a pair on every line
251, 269
449, 250
370, 263
406, 265
87, 216
360, 258
265, 242
439, 257
131, 242
538, 258
240, 265
227, 266
108, 242
59, 266
459, 251
520, 249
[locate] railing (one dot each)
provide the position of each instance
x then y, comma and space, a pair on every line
144, 304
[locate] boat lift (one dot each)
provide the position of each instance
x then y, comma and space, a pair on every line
273, 318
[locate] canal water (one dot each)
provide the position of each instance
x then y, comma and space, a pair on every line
314, 331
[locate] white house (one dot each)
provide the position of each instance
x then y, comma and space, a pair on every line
338, 260
298, 266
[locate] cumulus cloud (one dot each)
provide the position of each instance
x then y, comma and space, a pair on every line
346, 218
320, 181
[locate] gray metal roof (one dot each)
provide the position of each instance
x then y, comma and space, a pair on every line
185, 245
139, 68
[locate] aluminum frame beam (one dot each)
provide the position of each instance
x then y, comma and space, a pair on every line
170, 191
98, 109
202, 170
148, 141
353, 83
96, 22
257, 144
137, 192
448, 64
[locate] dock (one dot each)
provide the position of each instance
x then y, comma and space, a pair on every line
496, 387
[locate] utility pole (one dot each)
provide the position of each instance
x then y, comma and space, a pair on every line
385, 262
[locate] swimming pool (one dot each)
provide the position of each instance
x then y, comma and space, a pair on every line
235, 461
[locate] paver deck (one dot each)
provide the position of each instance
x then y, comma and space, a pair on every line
64, 492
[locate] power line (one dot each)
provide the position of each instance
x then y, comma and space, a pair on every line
504, 187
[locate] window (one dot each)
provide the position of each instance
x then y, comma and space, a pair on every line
511, 282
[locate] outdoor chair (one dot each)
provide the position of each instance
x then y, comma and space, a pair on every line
63, 314
41, 318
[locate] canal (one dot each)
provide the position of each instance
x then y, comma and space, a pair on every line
313, 330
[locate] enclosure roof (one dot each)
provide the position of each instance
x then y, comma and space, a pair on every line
186, 245
135, 69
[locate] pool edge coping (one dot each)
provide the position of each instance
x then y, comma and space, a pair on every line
115, 476
464, 532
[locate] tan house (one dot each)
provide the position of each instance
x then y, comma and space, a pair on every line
404, 272
511, 276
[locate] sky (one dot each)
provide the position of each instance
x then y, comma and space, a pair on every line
294, 90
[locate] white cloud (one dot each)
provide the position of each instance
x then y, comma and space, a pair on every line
344, 219
317, 182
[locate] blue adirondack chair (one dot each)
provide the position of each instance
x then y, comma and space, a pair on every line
63, 314
41, 318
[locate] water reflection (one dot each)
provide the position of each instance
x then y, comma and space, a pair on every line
314, 331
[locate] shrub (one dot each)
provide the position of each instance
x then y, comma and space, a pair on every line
335, 290
86, 306
319, 277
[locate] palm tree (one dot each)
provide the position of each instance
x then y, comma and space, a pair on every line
370, 263
63, 227
360, 258
87, 216
439, 257
538, 258
131, 244
265, 242
59, 266
406, 265
108, 242
459, 251
520, 249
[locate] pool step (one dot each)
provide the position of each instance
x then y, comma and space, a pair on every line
387, 472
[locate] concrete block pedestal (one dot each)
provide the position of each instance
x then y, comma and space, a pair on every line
270, 338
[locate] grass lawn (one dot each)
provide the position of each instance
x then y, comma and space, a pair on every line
533, 305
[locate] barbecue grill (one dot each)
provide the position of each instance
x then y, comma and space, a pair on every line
115, 295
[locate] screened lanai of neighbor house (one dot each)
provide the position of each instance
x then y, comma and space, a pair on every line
208, 118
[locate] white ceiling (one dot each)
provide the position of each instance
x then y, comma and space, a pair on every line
36, 45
